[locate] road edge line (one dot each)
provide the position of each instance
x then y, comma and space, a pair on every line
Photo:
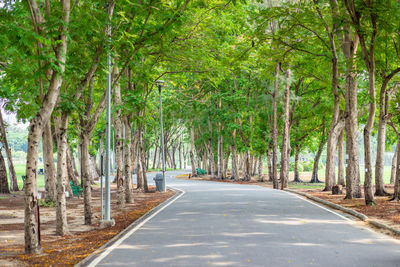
95, 257
354, 213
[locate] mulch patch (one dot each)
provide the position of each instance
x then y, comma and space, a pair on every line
74, 247
384, 209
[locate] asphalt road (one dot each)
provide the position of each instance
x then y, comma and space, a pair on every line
221, 224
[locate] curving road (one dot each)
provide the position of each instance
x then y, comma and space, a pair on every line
222, 224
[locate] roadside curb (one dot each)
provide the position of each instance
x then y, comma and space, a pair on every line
110, 242
354, 213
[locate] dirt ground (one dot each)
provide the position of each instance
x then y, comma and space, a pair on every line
82, 239
385, 211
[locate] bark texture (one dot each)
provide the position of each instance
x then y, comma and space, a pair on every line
3, 176
275, 129
284, 173
11, 169
37, 123
49, 167
61, 212
128, 162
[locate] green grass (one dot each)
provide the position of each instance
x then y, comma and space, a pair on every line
306, 185
306, 176
20, 169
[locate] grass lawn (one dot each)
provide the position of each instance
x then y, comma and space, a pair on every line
20, 169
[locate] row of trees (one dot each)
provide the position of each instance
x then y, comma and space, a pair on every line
246, 83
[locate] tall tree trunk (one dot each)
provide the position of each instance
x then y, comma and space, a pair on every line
269, 162
335, 129
155, 156
32, 239
380, 153
296, 165
226, 162
142, 160
49, 168
246, 166
85, 174
333, 137
260, 169
393, 171
275, 129
284, 173
3, 176
62, 170
119, 143
235, 170
368, 187
220, 158
128, 163
251, 163
192, 161
71, 171
11, 169
314, 176
396, 195
180, 155
349, 46
341, 158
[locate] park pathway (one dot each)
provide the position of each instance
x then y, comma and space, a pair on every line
223, 224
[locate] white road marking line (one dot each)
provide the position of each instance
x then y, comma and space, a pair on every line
322, 207
137, 227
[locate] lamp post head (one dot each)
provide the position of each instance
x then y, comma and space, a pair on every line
159, 84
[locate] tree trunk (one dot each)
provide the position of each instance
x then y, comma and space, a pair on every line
72, 160
139, 170
32, 239
85, 174
180, 155
142, 161
269, 162
119, 143
341, 158
296, 165
284, 173
380, 153
71, 172
333, 137
260, 169
368, 187
49, 168
155, 157
220, 158
396, 195
13, 175
246, 166
3, 176
251, 163
128, 163
62, 170
349, 46
314, 176
192, 161
335, 129
226, 162
275, 129
393, 172
235, 171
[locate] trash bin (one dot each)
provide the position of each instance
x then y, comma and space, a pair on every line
159, 182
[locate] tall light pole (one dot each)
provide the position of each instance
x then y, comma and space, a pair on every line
160, 84
107, 198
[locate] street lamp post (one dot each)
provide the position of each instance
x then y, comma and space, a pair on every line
107, 221
159, 85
